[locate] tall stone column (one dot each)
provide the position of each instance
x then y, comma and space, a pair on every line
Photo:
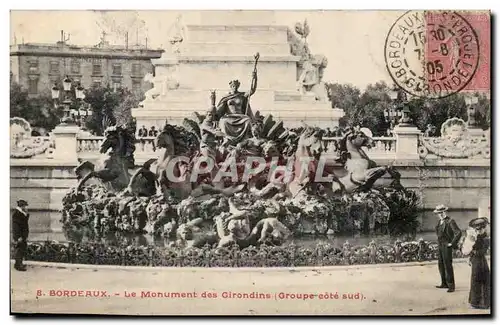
407, 142
66, 143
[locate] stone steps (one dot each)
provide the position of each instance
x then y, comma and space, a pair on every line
237, 32
235, 49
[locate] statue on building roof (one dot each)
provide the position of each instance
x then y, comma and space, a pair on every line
176, 35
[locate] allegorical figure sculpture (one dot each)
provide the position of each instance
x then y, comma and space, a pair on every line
234, 110
310, 79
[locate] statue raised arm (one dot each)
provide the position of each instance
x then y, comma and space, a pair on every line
253, 85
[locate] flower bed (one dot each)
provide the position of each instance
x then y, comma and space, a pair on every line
322, 254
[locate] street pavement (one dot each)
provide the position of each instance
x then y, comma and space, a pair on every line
374, 290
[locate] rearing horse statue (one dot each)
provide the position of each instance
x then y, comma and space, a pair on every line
174, 142
310, 146
361, 173
117, 158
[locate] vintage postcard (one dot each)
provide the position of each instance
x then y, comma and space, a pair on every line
250, 162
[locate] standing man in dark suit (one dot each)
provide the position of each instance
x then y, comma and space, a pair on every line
153, 132
143, 132
448, 235
20, 231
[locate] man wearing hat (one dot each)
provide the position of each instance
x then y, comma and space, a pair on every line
20, 231
448, 235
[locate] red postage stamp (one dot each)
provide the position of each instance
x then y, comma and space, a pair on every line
480, 22
438, 53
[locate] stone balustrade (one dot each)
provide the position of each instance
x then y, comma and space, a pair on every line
405, 145
89, 144
88, 147
382, 148
145, 146
68, 145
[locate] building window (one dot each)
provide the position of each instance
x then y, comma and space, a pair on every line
33, 66
116, 85
136, 85
96, 69
33, 86
117, 69
136, 69
75, 67
96, 82
54, 67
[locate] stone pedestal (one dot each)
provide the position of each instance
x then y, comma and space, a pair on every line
475, 132
66, 143
219, 47
407, 142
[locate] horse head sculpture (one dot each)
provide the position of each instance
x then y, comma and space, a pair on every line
310, 143
117, 158
361, 172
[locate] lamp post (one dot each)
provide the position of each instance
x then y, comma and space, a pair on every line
405, 117
471, 102
67, 100
395, 112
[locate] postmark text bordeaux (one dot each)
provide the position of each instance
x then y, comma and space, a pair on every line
432, 54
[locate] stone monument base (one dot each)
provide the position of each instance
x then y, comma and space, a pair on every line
216, 47
293, 109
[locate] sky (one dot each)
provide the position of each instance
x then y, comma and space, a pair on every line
353, 41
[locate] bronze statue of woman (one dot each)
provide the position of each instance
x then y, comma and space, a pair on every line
234, 110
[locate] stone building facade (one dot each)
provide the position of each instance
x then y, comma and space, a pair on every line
38, 66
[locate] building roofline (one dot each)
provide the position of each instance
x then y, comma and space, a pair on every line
92, 47
85, 55
55, 50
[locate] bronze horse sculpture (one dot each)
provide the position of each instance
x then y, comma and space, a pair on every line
309, 148
180, 150
117, 157
360, 173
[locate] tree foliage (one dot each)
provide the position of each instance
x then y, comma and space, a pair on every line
361, 108
107, 103
39, 111
367, 108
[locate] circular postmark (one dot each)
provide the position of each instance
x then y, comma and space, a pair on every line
431, 54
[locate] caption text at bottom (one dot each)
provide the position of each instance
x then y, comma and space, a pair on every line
148, 294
